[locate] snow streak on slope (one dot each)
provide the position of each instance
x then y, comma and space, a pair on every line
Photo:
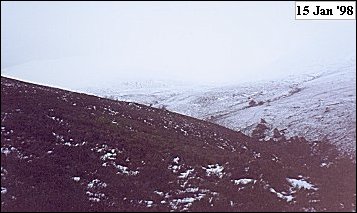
317, 106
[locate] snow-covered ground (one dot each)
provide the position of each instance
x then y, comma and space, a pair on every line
318, 105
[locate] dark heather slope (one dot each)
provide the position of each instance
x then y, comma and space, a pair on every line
65, 151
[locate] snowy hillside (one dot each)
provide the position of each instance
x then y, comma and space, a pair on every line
66, 151
318, 105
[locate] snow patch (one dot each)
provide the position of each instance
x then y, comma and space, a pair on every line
109, 155
149, 203
214, 170
76, 179
174, 168
301, 184
192, 190
3, 190
125, 170
159, 193
185, 174
288, 198
243, 181
5, 150
327, 165
176, 160
96, 183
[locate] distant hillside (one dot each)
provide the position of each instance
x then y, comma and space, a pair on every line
317, 105
66, 151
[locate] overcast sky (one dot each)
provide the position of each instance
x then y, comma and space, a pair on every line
197, 41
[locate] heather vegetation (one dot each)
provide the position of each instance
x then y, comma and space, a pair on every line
66, 151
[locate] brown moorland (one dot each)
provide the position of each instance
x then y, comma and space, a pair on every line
67, 151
